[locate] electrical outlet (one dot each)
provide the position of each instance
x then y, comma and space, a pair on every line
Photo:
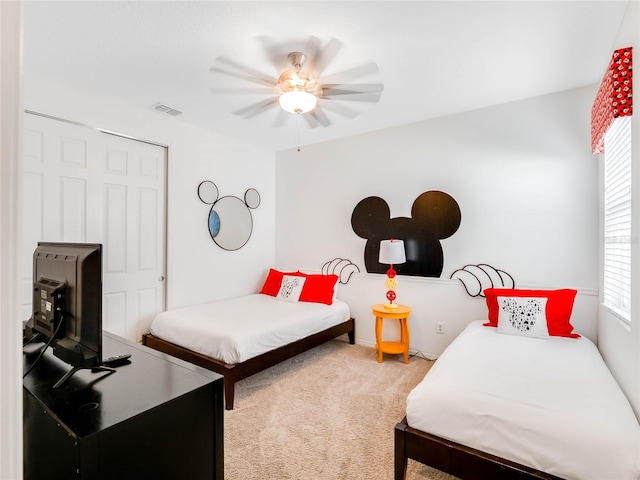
440, 328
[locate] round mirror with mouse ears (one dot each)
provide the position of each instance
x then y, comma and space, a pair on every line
252, 198
230, 222
208, 192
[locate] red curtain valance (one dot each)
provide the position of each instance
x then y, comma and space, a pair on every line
614, 98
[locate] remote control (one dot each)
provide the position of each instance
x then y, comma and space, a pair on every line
116, 360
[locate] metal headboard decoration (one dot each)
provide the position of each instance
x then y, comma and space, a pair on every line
476, 278
342, 267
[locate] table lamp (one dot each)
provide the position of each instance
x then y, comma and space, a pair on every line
391, 252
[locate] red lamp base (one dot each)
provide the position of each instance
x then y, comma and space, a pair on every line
391, 284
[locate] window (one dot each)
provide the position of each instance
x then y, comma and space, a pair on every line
617, 217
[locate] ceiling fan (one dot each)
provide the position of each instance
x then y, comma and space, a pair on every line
300, 87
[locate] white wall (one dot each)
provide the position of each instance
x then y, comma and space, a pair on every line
197, 269
10, 205
619, 342
524, 178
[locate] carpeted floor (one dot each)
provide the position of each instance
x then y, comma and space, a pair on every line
326, 414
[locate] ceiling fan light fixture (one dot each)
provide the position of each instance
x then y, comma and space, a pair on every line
298, 101
298, 79
299, 88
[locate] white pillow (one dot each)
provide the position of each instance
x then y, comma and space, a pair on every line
290, 288
524, 316
335, 289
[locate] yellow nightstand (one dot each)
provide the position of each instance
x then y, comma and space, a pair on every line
401, 313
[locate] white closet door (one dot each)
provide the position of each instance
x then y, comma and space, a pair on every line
82, 185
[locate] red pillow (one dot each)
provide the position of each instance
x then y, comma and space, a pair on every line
558, 311
274, 280
318, 288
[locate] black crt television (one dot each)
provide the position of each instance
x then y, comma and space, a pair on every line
67, 302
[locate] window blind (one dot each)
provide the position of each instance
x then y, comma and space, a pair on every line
617, 217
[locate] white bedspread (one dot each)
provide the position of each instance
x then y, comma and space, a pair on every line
551, 404
238, 329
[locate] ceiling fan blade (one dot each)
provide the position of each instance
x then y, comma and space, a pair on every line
346, 76
311, 48
276, 52
243, 91
256, 108
250, 74
311, 120
350, 88
320, 116
355, 97
281, 118
320, 57
237, 75
338, 108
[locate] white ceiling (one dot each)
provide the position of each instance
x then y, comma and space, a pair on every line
435, 57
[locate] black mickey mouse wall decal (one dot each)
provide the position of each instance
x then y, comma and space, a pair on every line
435, 216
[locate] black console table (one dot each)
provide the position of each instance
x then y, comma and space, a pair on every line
155, 418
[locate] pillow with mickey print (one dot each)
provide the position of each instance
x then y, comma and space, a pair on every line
290, 288
523, 316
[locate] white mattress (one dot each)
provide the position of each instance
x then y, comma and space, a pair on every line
238, 329
551, 404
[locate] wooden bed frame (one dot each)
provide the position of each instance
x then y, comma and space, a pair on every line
235, 372
454, 458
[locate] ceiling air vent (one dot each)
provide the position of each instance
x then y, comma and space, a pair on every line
161, 107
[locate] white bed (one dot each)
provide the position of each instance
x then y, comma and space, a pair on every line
550, 404
242, 336
238, 329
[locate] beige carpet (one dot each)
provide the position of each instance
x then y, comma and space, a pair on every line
326, 414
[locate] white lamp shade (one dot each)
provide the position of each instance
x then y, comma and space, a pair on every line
298, 101
392, 252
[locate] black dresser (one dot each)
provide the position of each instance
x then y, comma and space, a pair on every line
154, 418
